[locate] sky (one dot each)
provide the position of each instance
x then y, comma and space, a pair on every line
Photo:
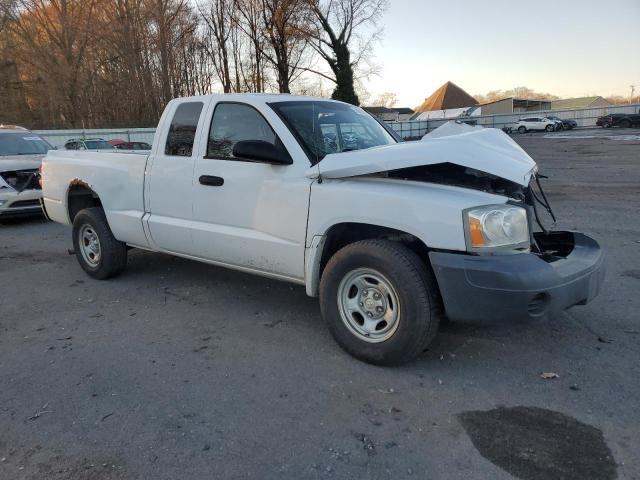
570, 48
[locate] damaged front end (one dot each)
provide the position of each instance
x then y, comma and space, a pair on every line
21, 180
514, 265
20, 192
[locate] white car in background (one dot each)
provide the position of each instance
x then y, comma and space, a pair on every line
21, 153
536, 123
94, 144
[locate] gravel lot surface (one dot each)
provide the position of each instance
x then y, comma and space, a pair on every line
179, 370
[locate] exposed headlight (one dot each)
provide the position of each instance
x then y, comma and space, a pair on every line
496, 226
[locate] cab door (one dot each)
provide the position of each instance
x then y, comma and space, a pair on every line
249, 214
169, 191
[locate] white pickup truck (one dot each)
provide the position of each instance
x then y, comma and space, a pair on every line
392, 236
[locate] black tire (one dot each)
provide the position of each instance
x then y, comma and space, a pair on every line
112, 253
625, 124
549, 128
522, 129
419, 303
606, 125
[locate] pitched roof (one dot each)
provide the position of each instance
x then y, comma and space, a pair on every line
447, 96
580, 102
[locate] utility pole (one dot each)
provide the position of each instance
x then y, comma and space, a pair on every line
633, 89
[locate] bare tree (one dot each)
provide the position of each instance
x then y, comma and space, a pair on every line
337, 40
386, 99
519, 92
250, 22
285, 26
55, 36
219, 20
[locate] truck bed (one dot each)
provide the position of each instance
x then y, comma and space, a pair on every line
117, 178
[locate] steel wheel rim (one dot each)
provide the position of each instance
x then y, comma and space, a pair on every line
89, 245
369, 305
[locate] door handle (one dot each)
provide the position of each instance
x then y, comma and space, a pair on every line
211, 181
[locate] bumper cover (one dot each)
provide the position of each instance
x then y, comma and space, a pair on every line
517, 286
14, 204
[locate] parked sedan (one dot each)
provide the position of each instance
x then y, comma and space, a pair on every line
623, 120
566, 124
21, 153
535, 123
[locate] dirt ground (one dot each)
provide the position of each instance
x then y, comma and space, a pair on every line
179, 370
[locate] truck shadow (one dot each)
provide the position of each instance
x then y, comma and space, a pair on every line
268, 298
22, 221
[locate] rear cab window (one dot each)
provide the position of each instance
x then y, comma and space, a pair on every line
182, 131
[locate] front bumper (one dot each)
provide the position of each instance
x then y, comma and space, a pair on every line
523, 285
14, 204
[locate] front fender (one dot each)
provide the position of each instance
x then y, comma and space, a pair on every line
430, 212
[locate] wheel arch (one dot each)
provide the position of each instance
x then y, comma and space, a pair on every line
80, 195
342, 234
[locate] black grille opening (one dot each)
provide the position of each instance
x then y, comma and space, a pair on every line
22, 179
25, 203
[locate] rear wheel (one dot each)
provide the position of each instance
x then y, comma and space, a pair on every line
380, 302
522, 129
97, 250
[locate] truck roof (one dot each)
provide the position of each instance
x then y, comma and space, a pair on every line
254, 98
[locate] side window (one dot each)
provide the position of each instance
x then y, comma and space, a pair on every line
182, 131
232, 123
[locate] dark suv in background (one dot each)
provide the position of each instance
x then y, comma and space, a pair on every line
623, 120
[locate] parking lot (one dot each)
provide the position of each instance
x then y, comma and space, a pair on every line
180, 370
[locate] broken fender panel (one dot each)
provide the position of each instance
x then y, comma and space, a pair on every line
488, 150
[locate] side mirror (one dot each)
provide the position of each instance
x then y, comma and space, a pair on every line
261, 151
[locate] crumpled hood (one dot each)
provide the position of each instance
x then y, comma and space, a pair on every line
11, 163
488, 150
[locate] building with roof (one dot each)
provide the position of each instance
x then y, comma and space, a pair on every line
447, 97
514, 105
390, 114
580, 102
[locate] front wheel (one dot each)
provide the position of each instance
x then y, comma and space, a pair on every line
549, 128
625, 124
380, 302
606, 125
97, 250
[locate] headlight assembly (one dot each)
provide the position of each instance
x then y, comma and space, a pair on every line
495, 226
